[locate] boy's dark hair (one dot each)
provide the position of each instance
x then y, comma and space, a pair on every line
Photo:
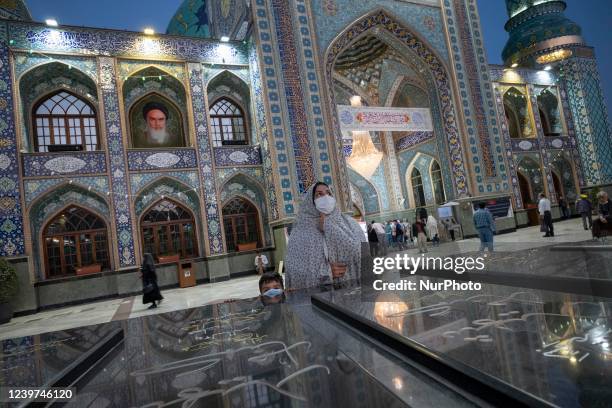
482, 205
270, 277
314, 190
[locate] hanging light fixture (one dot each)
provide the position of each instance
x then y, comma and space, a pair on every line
364, 158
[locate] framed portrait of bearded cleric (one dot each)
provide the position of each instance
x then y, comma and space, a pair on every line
156, 123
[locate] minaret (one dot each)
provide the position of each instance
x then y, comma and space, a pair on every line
541, 37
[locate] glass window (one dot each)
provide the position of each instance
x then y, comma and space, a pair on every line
241, 223
227, 123
417, 188
516, 109
63, 119
438, 185
74, 239
548, 109
169, 229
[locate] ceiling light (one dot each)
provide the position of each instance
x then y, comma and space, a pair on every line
547, 68
149, 31
225, 38
514, 65
51, 22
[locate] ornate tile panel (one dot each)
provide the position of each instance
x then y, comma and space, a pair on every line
128, 67
39, 37
66, 163
205, 158
156, 159
294, 96
141, 180
333, 16
516, 192
312, 96
525, 145
237, 156
262, 133
273, 95
119, 185
36, 188
475, 66
591, 124
412, 139
11, 218
25, 61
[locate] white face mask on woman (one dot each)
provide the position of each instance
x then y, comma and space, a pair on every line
325, 204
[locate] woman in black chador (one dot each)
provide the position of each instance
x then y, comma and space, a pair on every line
150, 290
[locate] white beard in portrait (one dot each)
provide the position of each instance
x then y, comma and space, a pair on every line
157, 136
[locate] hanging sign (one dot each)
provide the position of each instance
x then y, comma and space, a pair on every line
383, 118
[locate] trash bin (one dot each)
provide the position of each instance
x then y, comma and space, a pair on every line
186, 274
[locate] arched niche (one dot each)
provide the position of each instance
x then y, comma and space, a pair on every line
227, 86
564, 170
155, 101
48, 79
389, 32
529, 168
549, 111
51, 204
242, 185
518, 112
166, 187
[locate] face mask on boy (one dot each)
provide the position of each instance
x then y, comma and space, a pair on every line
273, 292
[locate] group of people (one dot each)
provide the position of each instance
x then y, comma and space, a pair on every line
325, 244
401, 234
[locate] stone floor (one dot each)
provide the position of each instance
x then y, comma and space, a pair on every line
241, 288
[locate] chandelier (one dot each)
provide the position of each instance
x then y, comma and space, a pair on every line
365, 157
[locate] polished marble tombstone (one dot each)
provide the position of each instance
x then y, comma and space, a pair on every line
546, 346
233, 354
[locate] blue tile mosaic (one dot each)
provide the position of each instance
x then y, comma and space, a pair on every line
155, 159
11, 224
66, 163
237, 156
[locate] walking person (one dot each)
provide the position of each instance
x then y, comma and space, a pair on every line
382, 238
585, 209
373, 240
150, 290
432, 230
546, 215
261, 263
485, 225
563, 207
419, 231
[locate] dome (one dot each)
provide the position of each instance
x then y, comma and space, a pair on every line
212, 19
14, 10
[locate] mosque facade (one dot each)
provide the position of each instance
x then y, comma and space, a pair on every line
247, 95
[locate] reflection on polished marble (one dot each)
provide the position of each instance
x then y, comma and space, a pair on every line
236, 354
555, 346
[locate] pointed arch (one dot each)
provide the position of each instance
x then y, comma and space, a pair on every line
53, 202
383, 24
369, 193
168, 227
242, 224
46, 79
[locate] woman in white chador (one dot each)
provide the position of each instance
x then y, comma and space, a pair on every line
324, 244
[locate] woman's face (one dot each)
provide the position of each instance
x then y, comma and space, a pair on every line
321, 191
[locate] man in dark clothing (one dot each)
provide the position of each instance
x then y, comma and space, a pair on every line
602, 226
563, 207
585, 209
